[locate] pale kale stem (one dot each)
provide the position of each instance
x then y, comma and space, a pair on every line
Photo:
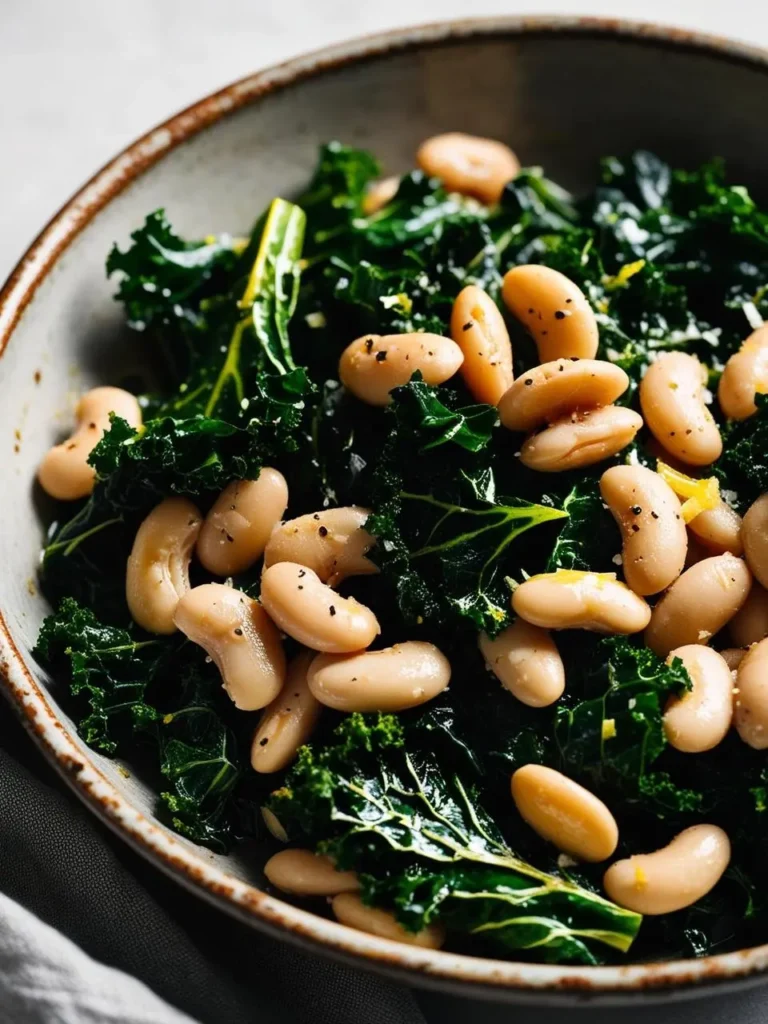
70, 545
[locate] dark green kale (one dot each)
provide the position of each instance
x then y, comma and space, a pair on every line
418, 835
165, 282
445, 537
160, 692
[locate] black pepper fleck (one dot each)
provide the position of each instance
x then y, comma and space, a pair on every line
636, 509
635, 528
559, 314
655, 515
467, 326
264, 742
332, 611
569, 300
316, 515
381, 357
323, 531
528, 381
230, 538
368, 344
238, 631
302, 573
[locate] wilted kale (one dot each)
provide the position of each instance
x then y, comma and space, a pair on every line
381, 804
157, 689
251, 330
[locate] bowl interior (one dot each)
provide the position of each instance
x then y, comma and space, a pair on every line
561, 99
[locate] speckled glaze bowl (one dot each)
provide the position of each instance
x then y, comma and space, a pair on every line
563, 92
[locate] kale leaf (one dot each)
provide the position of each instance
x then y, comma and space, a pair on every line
424, 845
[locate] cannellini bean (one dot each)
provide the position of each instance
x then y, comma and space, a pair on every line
350, 910
374, 364
750, 624
239, 637
698, 719
654, 538
581, 439
274, 827
745, 375
527, 662
479, 330
754, 534
332, 543
393, 679
379, 194
237, 528
303, 873
733, 657
553, 310
64, 473
699, 603
158, 567
671, 878
568, 599
750, 715
469, 164
564, 813
550, 391
673, 407
288, 721
314, 614
718, 529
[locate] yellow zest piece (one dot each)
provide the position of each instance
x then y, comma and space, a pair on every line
700, 495
405, 302
621, 279
167, 719
641, 879
575, 576
609, 728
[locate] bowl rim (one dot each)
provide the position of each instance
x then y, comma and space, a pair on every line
465, 975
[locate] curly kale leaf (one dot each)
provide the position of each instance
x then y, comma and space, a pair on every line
424, 845
165, 282
742, 469
589, 538
247, 327
105, 666
161, 689
612, 735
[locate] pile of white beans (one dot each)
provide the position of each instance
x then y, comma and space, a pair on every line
709, 568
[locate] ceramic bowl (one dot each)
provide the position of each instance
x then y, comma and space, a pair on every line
563, 92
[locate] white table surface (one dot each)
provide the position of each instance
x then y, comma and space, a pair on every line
79, 79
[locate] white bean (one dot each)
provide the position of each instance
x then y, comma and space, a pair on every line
564, 813
750, 623
393, 679
313, 613
303, 873
288, 721
654, 538
350, 910
157, 574
581, 439
238, 636
553, 309
469, 164
750, 715
745, 375
570, 599
671, 878
550, 391
479, 330
65, 473
699, 603
754, 534
332, 543
674, 410
373, 365
527, 662
237, 528
700, 718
